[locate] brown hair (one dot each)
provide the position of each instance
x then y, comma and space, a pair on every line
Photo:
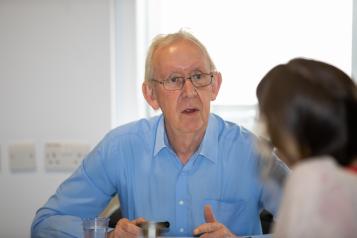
314, 103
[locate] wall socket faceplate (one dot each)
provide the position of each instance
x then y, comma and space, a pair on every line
22, 157
64, 157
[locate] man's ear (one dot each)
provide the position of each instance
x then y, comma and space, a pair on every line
216, 85
149, 95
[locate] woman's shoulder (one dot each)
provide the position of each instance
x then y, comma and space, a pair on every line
320, 175
311, 175
314, 167
319, 196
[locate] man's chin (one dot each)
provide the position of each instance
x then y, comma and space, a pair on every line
192, 127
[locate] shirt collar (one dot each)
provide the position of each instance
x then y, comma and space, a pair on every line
160, 136
208, 147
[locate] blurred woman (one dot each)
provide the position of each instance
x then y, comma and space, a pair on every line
309, 111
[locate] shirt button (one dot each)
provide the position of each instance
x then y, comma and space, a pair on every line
181, 230
181, 202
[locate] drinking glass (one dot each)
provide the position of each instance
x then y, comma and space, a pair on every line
95, 227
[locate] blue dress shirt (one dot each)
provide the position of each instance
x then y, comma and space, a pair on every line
137, 162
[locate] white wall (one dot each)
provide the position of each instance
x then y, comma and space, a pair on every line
128, 82
54, 86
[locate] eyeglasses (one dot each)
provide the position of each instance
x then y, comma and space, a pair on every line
198, 79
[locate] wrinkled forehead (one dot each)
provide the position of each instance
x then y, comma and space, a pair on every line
181, 53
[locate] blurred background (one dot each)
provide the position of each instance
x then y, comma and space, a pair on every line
71, 70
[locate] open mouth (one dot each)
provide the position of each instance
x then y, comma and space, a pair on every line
190, 110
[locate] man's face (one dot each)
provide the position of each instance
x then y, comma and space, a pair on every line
186, 110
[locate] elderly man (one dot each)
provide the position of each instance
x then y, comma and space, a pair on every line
187, 166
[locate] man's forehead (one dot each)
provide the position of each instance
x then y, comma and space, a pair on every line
177, 45
180, 51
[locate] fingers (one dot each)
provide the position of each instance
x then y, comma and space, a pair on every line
207, 227
128, 229
211, 223
222, 233
139, 221
211, 228
208, 213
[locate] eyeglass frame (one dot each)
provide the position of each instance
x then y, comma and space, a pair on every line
162, 82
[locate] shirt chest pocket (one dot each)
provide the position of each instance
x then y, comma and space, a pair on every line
226, 212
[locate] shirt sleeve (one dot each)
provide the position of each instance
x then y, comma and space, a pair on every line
273, 176
83, 195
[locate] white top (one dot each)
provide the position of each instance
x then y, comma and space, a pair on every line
320, 200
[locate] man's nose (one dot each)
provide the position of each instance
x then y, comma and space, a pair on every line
188, 88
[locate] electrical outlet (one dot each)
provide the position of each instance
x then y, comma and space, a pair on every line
22, 157
64, 156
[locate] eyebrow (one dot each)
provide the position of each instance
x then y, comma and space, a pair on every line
192, 71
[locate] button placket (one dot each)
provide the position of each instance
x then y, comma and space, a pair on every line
182, 212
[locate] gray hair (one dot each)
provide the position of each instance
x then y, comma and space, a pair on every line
164, 40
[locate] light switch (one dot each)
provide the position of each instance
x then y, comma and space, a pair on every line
22, 157
64, 156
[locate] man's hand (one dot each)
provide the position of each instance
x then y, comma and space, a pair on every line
211, 228
127, 229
